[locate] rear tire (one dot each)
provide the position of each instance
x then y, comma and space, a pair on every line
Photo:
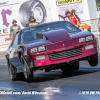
28, 73
74, 66
13, 75
93, 60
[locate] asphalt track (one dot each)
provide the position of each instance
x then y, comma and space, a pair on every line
55, 84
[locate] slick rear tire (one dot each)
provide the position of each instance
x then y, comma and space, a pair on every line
13, 75
74, 66
93, 60
32, 8
28, 73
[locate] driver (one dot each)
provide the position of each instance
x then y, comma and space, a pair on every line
32, 22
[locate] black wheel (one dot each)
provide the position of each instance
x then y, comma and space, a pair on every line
28, 73
20, 76
32, 8
93, 60
12, 73
74, 66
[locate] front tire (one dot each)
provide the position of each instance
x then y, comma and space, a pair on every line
93, 60
28, 73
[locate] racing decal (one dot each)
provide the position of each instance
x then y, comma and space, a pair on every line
4, 12
66, 2
28, 29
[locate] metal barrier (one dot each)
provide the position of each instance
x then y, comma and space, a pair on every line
93, 23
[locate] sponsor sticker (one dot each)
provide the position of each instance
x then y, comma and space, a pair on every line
66, 2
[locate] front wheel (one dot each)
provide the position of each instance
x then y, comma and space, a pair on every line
28, 73
93, 60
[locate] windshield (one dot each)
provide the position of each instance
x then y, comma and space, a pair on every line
29, 34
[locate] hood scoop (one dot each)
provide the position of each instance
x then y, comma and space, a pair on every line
56, 35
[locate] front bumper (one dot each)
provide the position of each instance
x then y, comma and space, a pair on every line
47, 61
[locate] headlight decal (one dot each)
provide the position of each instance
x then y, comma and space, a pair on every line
89, 38
86, 39
38, 49
34, 50
82, 40
43, 48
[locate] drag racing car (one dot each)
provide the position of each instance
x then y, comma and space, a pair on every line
50, 46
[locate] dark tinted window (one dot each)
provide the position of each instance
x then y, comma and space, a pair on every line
29, 34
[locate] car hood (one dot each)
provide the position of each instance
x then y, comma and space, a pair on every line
81, 34
57, 37
36, 43
62, 34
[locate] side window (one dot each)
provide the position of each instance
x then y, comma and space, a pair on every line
15, 40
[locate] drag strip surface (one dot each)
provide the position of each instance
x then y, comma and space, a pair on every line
58, 86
